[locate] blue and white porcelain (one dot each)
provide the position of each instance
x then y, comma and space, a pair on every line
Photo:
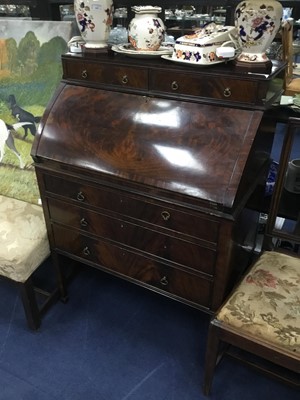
257, 22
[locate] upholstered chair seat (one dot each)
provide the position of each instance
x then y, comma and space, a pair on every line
266, 303
24, 242
24, 247
260, 320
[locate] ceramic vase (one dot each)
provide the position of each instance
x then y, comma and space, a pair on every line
257, 22
94, 19
146, 30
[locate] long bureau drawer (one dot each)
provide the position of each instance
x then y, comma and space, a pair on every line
172, 249
203, 228
200, 85
118, 260
129, 77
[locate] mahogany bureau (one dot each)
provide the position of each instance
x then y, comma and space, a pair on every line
145, 168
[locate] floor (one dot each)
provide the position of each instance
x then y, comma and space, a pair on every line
116, 341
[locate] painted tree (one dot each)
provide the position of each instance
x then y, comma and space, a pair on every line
12, 54
28, 50
3, 55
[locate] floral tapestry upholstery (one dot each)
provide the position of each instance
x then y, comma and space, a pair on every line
266, 304
23, 235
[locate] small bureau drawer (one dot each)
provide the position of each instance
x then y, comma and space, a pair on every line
129, 77
142, 269
204, 86
172, 249
193, 224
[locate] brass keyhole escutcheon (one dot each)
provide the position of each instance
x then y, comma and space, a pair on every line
80, 196
125, 80
83, 222
84, 74
164, 281
165, 215
86, 251
227, 92
174, 85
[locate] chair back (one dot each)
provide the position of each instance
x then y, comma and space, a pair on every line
285, 201
287, 49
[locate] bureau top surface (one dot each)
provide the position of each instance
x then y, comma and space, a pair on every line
223, 83
223, 69
191, 149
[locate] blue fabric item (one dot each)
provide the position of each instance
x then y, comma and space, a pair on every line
278, 140
275, 156
114, 340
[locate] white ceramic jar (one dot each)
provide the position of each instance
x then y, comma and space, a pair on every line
94, 19
257, 22
146, 30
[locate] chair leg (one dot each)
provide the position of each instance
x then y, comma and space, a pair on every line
30, 304
211, 357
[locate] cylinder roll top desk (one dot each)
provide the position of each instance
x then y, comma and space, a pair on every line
145, 168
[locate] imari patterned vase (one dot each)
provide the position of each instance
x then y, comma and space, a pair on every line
257, 22
94, 19
146, 30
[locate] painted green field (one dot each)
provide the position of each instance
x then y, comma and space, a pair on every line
19, 182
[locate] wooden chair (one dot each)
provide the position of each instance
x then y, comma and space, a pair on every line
261, 317
24, 247
291, 83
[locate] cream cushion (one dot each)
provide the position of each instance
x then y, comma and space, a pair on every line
23, 235
266, 304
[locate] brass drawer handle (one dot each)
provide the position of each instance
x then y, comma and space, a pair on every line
86, 251
83, 222
227, 92
80, 196
164, 281
165, 215
125, 80
84, 74
174, 85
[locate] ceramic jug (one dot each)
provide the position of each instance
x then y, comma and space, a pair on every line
146, 30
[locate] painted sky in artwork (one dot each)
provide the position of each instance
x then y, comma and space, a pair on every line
17, 29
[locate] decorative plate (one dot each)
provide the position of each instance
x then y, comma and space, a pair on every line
193, 64
128, 50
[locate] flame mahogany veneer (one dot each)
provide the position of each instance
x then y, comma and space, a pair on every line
145, 167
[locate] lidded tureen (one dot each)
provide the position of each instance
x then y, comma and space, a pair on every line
207, 45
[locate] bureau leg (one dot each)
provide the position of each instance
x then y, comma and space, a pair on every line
61, 279
211, 358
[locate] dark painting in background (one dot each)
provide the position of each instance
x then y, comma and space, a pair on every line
30, 71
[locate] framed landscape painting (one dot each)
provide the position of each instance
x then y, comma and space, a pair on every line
30, 71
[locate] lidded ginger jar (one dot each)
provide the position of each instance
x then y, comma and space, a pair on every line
146, 30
